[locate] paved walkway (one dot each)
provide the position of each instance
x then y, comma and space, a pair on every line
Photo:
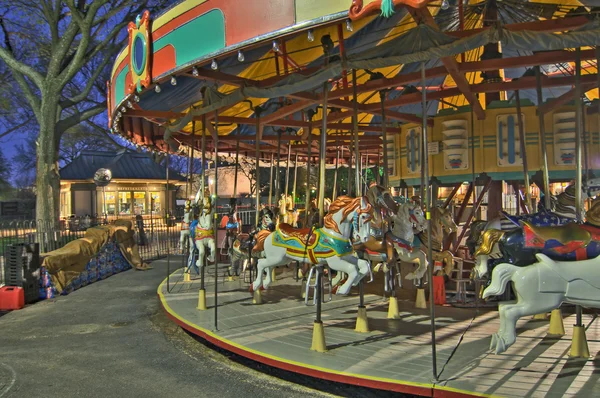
110, 339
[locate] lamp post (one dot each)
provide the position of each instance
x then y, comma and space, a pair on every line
102, 178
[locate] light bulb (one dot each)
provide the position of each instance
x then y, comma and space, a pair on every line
311, 36
119, 115
123, 109
157, 88
136, 98
445, 4
195, 71
275, 46
214, 65
173, 81
241, 57
129, 105
349, 26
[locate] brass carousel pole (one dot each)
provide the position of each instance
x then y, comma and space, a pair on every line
257, 167
287, 168
357, 181
542, 138
425, 168
277, 168
579, 344
237, 157
167, 222
335, 173
202, 300
307, 198
271, 181
215, 215
386, 178
295, 178
349, 187
322, 156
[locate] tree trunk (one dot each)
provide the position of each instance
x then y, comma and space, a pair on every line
48, 178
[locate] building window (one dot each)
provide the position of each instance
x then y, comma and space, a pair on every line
155, 199
110, 202
124, 202
139, 202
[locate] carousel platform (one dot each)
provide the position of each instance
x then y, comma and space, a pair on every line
396, 354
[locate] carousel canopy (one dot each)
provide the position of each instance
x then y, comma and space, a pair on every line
271, 86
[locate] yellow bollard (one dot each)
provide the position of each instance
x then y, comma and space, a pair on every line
257, 297
201, 300
579, 345
318, 338
557, 328
362, 321
187, 277
420, 302
540, 317
393, 312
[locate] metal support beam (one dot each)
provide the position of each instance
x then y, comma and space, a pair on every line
474, 209
322, 154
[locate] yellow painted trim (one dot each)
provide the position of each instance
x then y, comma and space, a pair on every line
122, 55
279, 359
174, 12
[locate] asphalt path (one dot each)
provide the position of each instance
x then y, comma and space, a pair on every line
112, 339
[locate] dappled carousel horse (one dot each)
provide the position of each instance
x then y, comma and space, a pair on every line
202, 234
442, 226
327, 245
397, 242
242, 245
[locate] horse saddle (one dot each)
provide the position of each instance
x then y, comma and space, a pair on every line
302, 234
571, 236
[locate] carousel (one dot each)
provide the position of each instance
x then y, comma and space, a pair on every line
454, 148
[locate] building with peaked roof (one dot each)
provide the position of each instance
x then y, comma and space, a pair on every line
138, 185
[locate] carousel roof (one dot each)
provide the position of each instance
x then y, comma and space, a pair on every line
283, 76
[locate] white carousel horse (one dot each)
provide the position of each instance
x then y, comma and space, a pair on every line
327, 245
184, 235
540, 288
203, 235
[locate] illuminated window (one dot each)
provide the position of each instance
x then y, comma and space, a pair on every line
156, 205
111, 203
124, 202
139, 202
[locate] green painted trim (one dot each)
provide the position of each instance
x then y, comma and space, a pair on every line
120, 85
195, 39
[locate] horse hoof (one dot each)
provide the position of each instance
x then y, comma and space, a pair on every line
493, 342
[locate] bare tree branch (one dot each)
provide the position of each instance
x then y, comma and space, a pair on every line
79, 117
7, 56
14, 128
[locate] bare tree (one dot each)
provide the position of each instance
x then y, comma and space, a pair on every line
59, 54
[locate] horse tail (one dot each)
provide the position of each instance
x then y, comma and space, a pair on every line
501, 275
261, 236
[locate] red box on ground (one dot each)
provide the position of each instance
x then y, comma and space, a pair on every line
11, 298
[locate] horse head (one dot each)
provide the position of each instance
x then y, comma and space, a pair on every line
446, 220
346, 212
591, 187
475, 231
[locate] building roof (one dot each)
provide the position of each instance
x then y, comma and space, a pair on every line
124, 164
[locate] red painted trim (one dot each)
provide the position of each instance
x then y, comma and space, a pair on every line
164, 60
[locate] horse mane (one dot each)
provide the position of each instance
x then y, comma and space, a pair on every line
348, 205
